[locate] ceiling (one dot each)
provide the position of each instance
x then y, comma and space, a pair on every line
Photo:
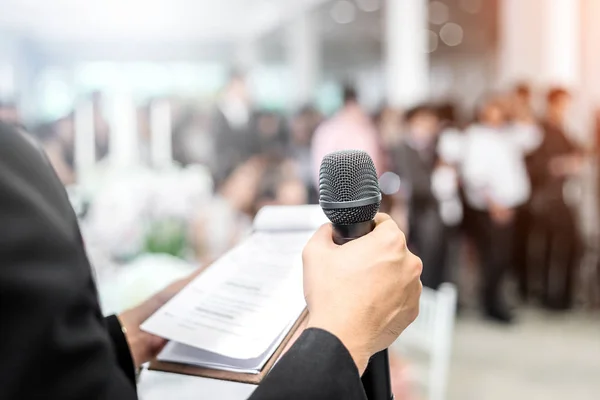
146, 21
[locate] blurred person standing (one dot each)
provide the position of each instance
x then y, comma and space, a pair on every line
280, 185
495, 182
302, 129
389, 124
528, 131
555, 161
271, 134
415, 160
231, 128
350, 129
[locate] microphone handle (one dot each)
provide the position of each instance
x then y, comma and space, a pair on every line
376, 379
345, 233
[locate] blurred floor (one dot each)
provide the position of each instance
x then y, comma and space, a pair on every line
543, 356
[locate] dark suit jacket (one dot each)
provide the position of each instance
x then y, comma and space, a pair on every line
54, 341
547, 190
415, 170
232, 145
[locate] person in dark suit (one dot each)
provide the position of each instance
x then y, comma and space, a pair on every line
55, 343
232, 129
551, 165
415, 159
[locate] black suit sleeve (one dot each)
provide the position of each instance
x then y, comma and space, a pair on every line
121, 347
54, 342
317, 367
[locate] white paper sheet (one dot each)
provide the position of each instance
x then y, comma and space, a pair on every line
241, 304
182, 354
289, 218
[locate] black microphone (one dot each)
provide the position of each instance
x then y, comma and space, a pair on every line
350, 197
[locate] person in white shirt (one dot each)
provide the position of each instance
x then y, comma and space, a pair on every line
495, 182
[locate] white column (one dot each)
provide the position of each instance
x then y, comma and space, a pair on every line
591, 55
562, 42
20, 75
161, 152
85, 140
304, 57
124, 143
520, 41
539, 42
407, 61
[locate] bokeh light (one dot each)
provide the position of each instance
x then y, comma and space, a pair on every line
438, 13
343, 12
389, 183
452, 34
432, 41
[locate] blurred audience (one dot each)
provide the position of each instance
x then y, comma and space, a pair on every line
415, 159
302, 128
350, 128
495, 183
231, 128
271, 134
503, 177
555, 161
523, 119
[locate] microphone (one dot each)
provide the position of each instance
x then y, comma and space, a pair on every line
350, 197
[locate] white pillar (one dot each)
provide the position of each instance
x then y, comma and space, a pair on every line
591, 55
407, 61
85, 140
304, 57
161, 152
20, 75
521, 31
539, 42
561, 42
124, 143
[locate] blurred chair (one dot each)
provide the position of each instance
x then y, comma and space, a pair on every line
431, 333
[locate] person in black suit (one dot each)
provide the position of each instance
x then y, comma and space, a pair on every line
555, 161
232, 129
415, 159
55, 343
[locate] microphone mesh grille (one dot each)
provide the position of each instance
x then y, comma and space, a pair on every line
348, 175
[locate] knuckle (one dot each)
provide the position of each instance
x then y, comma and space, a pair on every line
400, 239
395, 238
417, 266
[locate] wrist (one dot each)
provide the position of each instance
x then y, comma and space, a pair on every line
352, 342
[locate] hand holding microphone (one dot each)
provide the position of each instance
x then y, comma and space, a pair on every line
365, 292
361, 282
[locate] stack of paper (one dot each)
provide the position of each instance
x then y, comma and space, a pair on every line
234, 315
